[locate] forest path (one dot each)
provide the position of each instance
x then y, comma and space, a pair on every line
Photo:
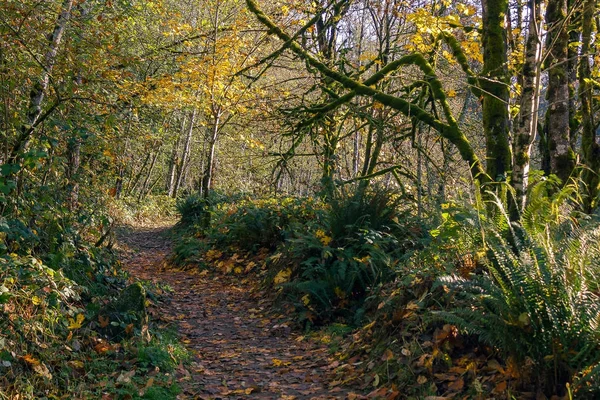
226, 325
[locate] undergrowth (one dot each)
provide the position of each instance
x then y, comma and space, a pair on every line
466, 303
153, 208
55, 278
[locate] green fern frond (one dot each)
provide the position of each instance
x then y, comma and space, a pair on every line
538, 297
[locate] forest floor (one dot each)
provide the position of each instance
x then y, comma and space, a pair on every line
240, 348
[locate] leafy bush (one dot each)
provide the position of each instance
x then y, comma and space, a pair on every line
164, 352
192, 209
327, 266
233, 224
537, 301
253, 224
188, 250
53, 280
327, 282
377, 209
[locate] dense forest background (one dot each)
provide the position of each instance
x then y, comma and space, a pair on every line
171, 98
365, 158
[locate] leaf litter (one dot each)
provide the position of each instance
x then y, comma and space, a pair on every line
241, 350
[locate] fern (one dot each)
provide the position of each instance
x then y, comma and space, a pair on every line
538, 298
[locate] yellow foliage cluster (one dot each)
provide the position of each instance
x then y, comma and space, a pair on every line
325, 240
428, 27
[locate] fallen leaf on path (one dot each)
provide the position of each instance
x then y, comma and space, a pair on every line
279, 363
388, 355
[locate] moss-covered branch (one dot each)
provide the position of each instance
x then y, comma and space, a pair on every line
447, 130
462, 60
392, 169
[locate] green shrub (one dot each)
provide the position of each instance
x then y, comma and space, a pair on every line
537, 301
327, 266
377, 209
192, 209
253, 224
164, 352
189, 250
327, 282
234, 224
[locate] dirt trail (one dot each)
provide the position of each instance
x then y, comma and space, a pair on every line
237, 352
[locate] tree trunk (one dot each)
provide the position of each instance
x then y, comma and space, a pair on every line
526, 128
142, 193
119, 182
38, 92
494, 84
174, 161
330, 141
186, 152
210, 156
138, 176
589, 144
170, 186
573, 62
561, 156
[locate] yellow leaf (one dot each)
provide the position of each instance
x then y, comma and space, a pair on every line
150, 383
76, 364
30, 360
76, 323
339, 293
376, 381
325, 240
387, 355
306, 299
279, 363
282, 276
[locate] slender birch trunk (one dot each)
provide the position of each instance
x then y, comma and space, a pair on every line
40, 87
186, 152
210, 156
589, 144
526, 127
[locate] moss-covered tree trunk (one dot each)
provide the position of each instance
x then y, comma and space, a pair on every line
329, 144
526, 126
574, 32
589, 144
494, 84
561, 157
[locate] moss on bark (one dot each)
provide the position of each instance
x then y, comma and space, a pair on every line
494, 85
